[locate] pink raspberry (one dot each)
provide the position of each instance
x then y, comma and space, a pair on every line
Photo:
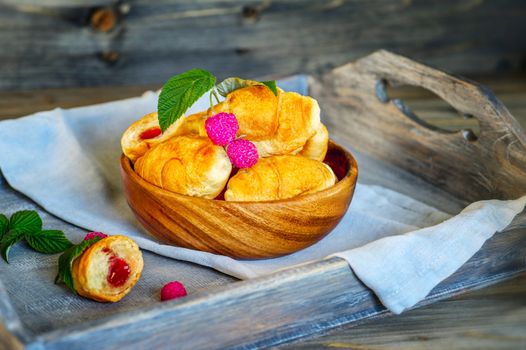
242, 153
222, 128
172, 290
92, 235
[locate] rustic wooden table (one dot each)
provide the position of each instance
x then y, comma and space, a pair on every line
493, 317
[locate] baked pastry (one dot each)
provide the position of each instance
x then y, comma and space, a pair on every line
279, 177
190, 165
145, 133
316, 147
255, 108
108, 269
275, 124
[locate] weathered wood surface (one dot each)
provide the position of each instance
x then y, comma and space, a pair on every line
492, 165
58, 43
509, 89
490, 318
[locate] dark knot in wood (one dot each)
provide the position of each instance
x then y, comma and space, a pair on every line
110, 57
251, 14
103, 19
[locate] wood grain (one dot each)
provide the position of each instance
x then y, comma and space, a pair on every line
8, 341
492, 166
490, 318
247, 230
64, 43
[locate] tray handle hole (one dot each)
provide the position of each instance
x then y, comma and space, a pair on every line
427, 109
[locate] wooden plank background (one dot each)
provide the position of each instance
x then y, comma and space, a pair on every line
65, 43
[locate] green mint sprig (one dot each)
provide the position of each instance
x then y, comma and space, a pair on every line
182, 91
27, 225
65, 262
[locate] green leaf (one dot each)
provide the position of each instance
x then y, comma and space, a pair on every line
25, 221
8, 241
48, 241
4, 225
231, 84
180, 93
65, 261
271, 84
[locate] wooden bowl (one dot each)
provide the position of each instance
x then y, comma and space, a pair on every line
246, 230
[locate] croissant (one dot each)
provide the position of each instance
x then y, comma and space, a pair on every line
316, 147
145, 133
108, 269
279, 177
275, 124
190, 165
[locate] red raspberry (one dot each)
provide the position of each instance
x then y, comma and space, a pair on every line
92, 235
242, 153
172, 290
222, 128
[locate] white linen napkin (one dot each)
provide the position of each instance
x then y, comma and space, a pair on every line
68, 162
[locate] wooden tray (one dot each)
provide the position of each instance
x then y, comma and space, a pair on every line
394, 148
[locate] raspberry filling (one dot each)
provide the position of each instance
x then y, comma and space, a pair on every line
119, 270
150, 133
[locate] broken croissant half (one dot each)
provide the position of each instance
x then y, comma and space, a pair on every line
108, 269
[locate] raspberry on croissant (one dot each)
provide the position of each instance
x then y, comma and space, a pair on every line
279, 177
108, 269
189, 165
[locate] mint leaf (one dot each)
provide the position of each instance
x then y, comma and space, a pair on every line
65, 261
48, 241
25, 221
180, 93
8, 241
231, 84
4, 225
271, 84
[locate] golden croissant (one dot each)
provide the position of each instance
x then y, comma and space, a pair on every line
108, 269
279, 177
145, 133
316, 147
277, 125
190, 165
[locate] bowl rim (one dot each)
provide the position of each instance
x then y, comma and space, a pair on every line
349, 179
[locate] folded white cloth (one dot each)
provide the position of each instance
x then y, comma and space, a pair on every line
68, 162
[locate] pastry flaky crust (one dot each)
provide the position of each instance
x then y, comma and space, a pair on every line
277, 125
316, 147
90, 270
279, 177
190, 165
133, 146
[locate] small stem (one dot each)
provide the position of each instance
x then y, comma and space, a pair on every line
217, 98
211, 102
